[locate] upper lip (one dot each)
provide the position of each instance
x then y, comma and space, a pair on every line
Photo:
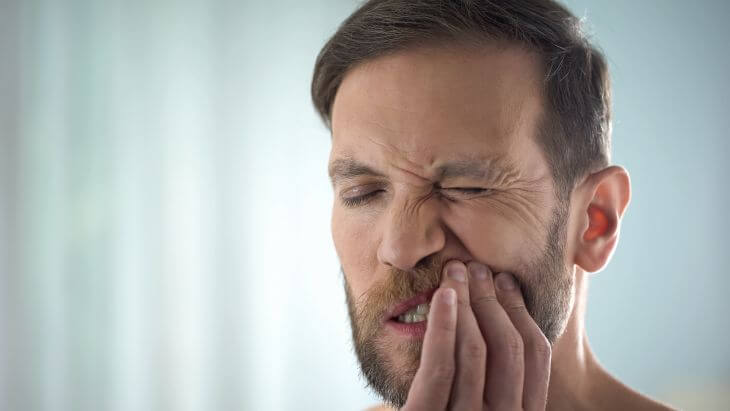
406, 305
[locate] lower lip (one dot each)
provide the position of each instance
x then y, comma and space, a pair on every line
413, 330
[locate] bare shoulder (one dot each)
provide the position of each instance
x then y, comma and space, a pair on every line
642, 402
623, 397
380, 407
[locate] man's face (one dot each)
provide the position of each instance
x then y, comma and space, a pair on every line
434, 157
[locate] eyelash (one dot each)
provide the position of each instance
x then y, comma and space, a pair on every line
360, 200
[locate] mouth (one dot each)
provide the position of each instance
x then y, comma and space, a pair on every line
412, 311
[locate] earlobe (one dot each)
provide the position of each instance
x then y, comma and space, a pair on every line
607, 194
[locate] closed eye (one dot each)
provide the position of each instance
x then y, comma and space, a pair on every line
464, 192
361, 199
467, 190
451, 193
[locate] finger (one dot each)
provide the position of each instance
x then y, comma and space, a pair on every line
537, 347
432, 383
505, 361
467, 392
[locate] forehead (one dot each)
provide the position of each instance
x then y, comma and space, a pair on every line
423, 106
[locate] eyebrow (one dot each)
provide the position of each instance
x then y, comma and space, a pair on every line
347, 168
493, 168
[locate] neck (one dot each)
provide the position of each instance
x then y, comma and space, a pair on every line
577, 380
573, 363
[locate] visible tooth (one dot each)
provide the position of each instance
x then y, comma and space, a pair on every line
409, 318
415, 314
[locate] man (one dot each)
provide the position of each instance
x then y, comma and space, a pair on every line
473, 196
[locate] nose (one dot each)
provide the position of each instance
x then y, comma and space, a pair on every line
410, 234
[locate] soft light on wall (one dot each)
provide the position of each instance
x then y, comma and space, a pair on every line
164, 207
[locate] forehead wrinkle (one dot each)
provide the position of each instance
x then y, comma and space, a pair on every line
420, 178
402, 152
400, 160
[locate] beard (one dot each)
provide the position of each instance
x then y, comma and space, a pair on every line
389, 367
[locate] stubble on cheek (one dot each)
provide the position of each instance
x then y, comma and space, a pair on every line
401, 358
388, 364
367, 311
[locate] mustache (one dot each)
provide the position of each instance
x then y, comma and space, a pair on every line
397, 286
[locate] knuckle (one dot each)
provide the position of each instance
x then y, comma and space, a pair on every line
515, 307
442, 374
475, 350
445, 327
481, 302
514, 345
463, 304
541, 347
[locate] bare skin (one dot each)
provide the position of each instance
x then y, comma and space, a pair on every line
400, 123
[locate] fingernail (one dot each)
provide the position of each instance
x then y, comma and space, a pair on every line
457, 272
448, 296
478, 271
505, 282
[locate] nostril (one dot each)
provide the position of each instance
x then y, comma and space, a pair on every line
426, 262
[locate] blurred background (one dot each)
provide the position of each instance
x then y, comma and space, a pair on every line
164, 206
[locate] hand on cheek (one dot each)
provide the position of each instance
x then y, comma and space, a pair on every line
493, 355
471, 354
505, 361
536, 348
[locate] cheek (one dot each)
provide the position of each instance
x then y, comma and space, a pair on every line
494, 238
356, 249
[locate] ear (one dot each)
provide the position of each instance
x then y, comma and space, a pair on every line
602, 200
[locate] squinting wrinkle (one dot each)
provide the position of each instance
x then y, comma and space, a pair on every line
411, 173
400, 155
412, 207
506, 179
516, 203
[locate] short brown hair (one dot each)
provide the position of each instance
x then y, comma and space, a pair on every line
575, 133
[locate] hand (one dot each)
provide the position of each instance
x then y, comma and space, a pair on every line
482, 349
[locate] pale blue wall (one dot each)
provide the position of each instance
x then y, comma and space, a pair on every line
659, 315
164, 206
